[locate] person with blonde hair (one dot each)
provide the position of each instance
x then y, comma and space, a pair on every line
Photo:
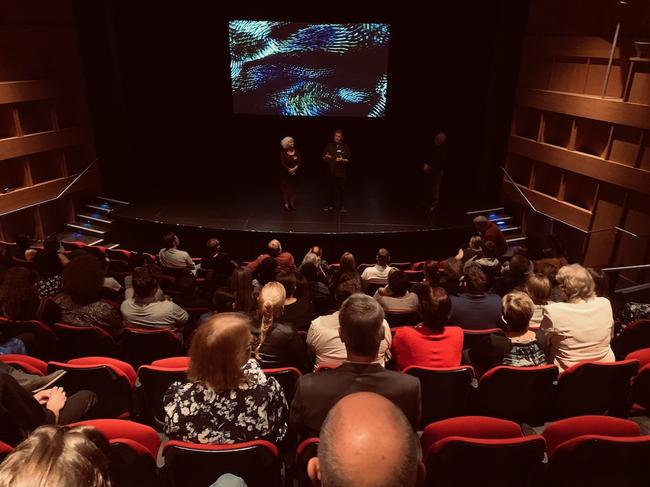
518, 346
290, 162
276, 344
228, 398
580, 329
58, 457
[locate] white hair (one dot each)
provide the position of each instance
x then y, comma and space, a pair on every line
286, 142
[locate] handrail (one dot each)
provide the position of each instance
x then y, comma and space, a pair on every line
626, 267
587, 232
62, 193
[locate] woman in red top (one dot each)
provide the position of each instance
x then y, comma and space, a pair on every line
431, 343
290, 161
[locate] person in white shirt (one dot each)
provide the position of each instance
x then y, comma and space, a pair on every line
581, 329
144, 310
378, 274
323, 336
396, 297
172, 258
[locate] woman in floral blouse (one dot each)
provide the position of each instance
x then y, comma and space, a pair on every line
227, 399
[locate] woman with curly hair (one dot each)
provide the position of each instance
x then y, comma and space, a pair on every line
276, 344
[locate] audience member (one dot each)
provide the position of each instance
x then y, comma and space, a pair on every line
550, 271
170, 257
514, 279
298, 312
324, 338
144, 310
227, 399
519, 347
58, 457
554, 253
80, 302
488, 261
319, 292
276, 344
241, 282
347, 264
284, 260
475, 308
473, 251
490, 232
362, 332
323, 267
396, 297
23, 250
538, 287
218, 263
378, 273
20, 300
359, 449
580, 329
452, 273
49, 264
431, 279
431, 343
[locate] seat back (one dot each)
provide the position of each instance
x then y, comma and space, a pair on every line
641, 388
595, 388
153, 384
44, 344
414, 276
143, 346
445, 391
287, 378
28, 364
634, 337
5, 450
467, 462
112, 386
402, 319
257, 462
82, 341
520, 394
402, 266
472, 338
598, 460
307, 450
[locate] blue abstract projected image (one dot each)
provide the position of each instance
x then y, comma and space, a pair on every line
306, 69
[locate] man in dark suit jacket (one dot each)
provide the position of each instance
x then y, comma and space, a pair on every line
361, 331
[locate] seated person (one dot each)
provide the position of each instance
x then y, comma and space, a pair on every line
144, 310
431, 343
21, 411
218, 263
473, 251
318, 292
80, 302
538, 287
515, 276
227, 399
58, 457
347, 264
20, 300
323, 336
378, 274
362, 331
298, 312
488, 261
581, 329
452, 273
49, 264
348, 455
284, 260
396, 297
170, 257
276, 344
474, 308
519, 347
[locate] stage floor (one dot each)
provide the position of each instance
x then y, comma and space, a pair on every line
367, 213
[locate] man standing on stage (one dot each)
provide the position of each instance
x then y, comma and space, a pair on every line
434, 169
337, 156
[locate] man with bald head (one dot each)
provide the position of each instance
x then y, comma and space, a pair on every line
367, 450
378, 273
274, 250
361, 331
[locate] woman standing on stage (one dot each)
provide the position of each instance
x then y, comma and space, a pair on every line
290, 161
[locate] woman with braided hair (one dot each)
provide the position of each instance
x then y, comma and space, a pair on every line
276, 344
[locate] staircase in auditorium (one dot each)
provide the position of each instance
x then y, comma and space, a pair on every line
506, 222
93, 223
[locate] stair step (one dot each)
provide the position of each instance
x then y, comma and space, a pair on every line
110, 245
95, 217
112, 200
105, 209
499, 217
90, 228
516, 238
487, 210
511, 228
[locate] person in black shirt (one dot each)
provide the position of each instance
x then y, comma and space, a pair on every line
218, 264
434, 169
337, 156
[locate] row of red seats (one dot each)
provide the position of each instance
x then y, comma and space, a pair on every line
464, 451
530, 395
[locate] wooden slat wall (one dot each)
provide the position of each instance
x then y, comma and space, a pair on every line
45, 133
581, 158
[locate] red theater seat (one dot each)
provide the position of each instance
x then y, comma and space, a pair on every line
31, 365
